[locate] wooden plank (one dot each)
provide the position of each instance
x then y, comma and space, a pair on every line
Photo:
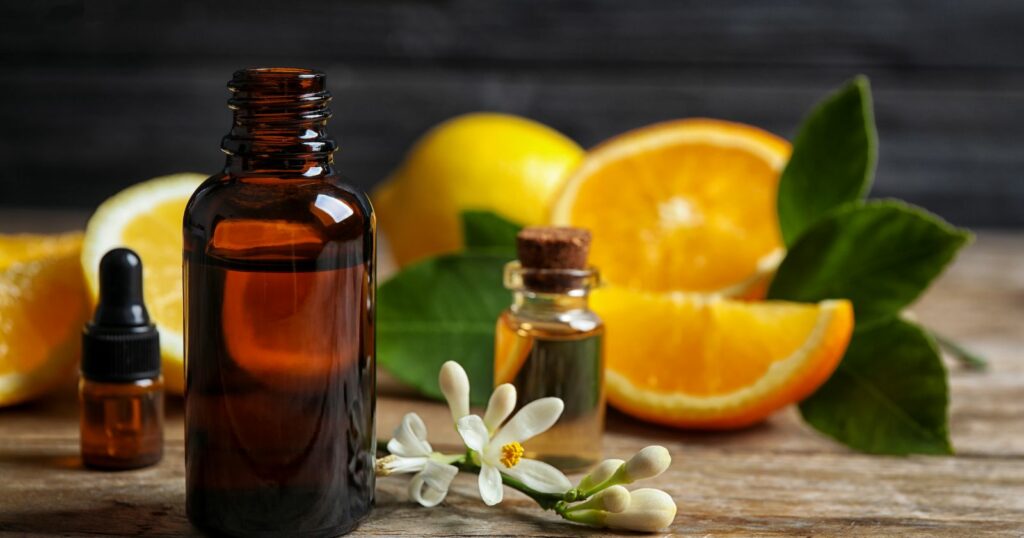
721, 488
777, 478
948, 145
718, 493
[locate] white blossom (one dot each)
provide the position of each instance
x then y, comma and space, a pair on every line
502, 452
411, 453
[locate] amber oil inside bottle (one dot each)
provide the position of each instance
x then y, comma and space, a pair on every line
279, 336
550, 344
122, 423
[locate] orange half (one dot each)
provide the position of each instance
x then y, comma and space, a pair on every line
686, 205
693, 361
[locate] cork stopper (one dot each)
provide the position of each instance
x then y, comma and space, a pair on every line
553, 257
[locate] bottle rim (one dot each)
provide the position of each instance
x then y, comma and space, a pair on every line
575, 280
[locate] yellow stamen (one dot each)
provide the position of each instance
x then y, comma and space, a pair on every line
381, 465
511, 454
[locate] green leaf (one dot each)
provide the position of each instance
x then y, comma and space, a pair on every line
833, 159
487, 230
880, 255
441, 309
888, 396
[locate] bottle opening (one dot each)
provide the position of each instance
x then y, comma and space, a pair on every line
269, 82
278, 112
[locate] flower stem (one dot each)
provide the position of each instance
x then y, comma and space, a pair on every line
547, 501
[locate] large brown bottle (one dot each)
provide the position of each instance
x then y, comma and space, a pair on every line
279, 323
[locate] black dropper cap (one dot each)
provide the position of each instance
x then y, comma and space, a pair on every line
120, 343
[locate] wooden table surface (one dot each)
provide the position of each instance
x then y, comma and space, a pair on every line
777, 478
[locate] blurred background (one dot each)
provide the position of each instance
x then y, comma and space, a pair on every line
97, 95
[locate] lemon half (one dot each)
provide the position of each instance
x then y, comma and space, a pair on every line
147, 218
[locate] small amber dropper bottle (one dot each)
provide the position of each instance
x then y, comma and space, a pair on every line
121, 392
549, 342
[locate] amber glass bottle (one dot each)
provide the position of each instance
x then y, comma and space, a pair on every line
279, 323
121, 391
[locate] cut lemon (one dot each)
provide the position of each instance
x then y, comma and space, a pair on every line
703, 362
42, 308
147, 218
686, 205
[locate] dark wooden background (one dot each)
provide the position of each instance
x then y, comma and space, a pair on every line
96, 95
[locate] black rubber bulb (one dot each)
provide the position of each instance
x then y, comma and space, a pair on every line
121, 303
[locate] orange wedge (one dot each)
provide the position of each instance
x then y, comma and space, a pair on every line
686, 205
704, 362
42, 308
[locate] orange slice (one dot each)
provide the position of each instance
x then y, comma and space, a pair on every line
42, 308
686, 205
704, 362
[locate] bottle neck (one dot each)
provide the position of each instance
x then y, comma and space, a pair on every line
280, 124
550, 294
549, 306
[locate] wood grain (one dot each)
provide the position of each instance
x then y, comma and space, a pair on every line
776, 478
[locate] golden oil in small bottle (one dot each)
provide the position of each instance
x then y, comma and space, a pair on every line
549, 343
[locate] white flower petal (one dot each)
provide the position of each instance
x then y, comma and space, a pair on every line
534, 418
649, 510
491, 491
454, 385
410, 437
430, 486
539, 476
393, 464
473, 432
500, 406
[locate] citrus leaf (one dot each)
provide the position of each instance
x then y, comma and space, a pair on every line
441, 309
888, 396
487, 230
880, 255
833, 159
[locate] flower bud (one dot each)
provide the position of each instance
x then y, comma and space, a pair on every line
454, 385
648, 463
603, 471
649, 510
500, 406
613, 499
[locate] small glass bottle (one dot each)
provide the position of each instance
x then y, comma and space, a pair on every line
279, 281
549, 343
121, 391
